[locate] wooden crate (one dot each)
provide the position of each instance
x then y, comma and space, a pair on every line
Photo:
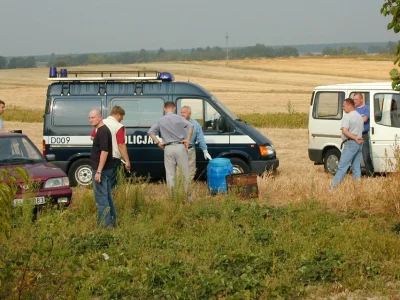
245, 185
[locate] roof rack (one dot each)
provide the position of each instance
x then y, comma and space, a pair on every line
63, 75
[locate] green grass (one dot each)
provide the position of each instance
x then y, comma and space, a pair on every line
277, 120
18, 114
215, 248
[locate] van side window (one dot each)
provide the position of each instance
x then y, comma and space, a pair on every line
140, 112
73, 112
386, 108
204, 113
365, 96
328, 105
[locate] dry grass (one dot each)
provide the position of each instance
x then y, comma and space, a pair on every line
268, 84
262, 85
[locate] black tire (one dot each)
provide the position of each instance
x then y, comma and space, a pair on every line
239, 166
80, 172
331, 161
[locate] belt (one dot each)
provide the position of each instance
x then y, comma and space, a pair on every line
365, 132
174, 143
341, 146
190, 147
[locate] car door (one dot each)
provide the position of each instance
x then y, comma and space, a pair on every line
385, 131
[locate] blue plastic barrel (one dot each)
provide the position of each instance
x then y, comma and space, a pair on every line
217, 170
53, 72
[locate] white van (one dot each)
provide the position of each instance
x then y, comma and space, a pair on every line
325, 119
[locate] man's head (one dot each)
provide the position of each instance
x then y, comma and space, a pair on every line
95, 117
348, 105
186, 112
169, 106
2, 107
118, 113
358, 99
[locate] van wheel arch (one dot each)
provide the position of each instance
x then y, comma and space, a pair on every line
239, 164
80, 172
331, 160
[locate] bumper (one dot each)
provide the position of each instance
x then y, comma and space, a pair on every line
315, 155
260, 166
60, 197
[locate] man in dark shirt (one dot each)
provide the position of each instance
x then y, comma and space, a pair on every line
102, 171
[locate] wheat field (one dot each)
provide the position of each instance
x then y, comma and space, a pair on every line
246, 86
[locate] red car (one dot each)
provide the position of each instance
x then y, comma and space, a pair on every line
50, 182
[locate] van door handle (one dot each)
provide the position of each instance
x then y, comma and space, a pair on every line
372, 130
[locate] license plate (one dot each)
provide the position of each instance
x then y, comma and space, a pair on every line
39, 200
36, 201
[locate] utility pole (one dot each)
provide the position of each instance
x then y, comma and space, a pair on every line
227, 48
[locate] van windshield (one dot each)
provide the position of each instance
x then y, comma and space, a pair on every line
224, 107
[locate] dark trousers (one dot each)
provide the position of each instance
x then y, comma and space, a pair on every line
116, 163
369, 167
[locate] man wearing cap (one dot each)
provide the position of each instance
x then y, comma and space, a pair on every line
198, 137
175, 142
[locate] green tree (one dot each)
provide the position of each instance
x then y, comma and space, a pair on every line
392, 8
3, 62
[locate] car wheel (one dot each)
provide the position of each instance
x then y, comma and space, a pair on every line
331, 161
239, 166
80, 172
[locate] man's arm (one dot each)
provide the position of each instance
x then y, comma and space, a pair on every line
351, 136
102, 162
155, 129
202, 142
124, 153
122, 147
189, 136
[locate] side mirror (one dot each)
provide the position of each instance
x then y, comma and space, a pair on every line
50, 157
378, 116
222, 124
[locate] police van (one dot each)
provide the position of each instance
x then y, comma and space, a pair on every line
142, 94
325, 117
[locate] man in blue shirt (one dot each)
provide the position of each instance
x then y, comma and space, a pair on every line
2, 109
363, 110
198, 137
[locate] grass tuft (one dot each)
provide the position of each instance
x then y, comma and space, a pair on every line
19, 114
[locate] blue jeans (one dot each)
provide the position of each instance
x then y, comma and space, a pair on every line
106, 214
351, 155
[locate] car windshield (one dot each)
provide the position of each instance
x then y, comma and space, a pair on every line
224, 108
17, 150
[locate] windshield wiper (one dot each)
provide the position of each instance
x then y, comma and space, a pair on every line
18, 160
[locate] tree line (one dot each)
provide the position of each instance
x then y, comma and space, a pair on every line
17, 62
346, 51
197, 54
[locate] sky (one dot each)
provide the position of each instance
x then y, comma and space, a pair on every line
42, 27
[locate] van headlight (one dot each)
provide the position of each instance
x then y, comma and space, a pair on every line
266, 150
56, 182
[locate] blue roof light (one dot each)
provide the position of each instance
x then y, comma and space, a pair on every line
165, 76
